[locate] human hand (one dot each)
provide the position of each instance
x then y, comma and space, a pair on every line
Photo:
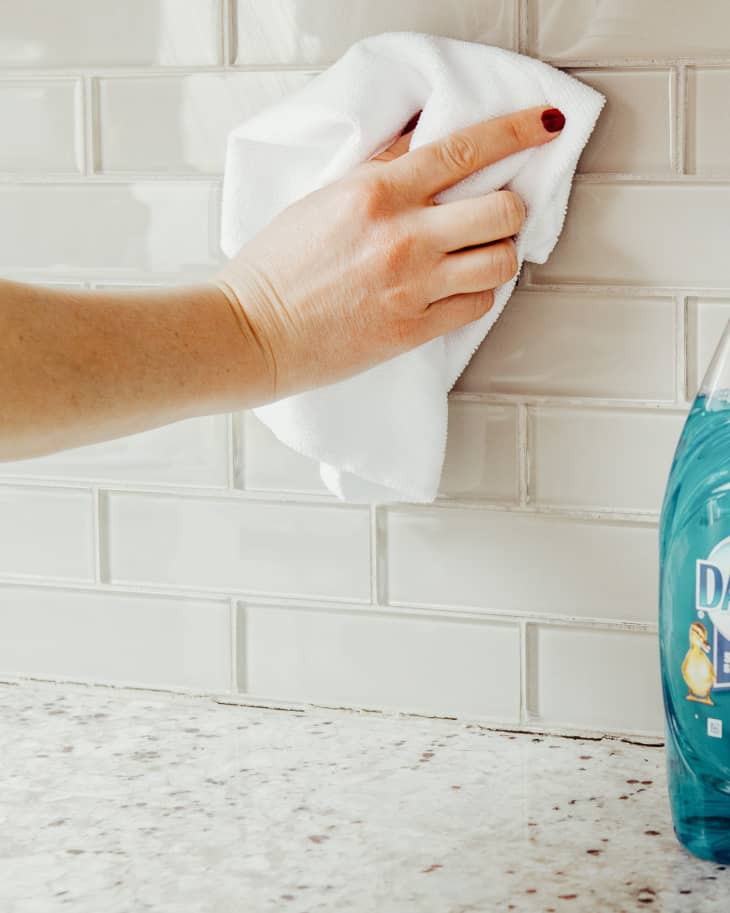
368, 267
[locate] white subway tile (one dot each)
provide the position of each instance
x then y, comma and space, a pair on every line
706, 320
121, 230
522, 563
269, 465
103, 33
46, 532
601, 459
708, 130
41, 126
192, 452
594, 679
100, 636
319, 31
656, 234
623, 28
481, 454
633, 132
459, 668
571, 344
180, 123
231, 544
481, 457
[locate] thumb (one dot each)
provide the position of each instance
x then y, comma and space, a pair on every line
401, 145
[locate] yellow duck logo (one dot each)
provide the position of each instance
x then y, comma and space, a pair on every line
697, 670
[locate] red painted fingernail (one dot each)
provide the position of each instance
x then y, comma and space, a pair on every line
411, 125
552, 120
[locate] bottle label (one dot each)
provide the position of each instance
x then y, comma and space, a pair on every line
706, 665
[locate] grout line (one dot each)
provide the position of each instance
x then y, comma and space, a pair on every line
523, 455
524, 658
228, 26
522, 23
680, 121
374, 555
96, 533
598, 514
379, 542
233, 646
88, 115
627, 291
607, 178
582, 402
415, 611
122, 178
102, 526
12, 74
230, 450
162, 71
682, 376
223, 33
650, 178
239, 454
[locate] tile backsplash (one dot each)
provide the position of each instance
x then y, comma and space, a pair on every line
205, 555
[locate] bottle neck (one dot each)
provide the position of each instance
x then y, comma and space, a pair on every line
715, 386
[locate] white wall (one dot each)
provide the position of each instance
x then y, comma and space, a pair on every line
205, 555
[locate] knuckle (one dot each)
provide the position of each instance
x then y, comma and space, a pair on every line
371, 196
397, 252
483, 302
513, 210
515, 127
460, 153
379, 189
506, 261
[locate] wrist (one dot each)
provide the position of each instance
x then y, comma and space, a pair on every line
252, 350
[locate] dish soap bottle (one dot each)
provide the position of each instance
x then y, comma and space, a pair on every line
694, 618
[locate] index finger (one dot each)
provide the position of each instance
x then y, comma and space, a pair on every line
432, 168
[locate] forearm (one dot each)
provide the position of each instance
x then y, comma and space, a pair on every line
77, 367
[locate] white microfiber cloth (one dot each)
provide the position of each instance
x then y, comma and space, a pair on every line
380, 436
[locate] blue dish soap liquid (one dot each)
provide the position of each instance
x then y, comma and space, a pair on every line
694, 618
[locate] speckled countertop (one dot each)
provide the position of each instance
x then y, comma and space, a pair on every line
127, 801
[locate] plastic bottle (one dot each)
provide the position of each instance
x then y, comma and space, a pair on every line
694, 618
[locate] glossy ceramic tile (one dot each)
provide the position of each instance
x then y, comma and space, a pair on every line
41, 126
269, 465
144, 93
708, 131
594, 677
102, 33
706, 320
46, 532
148, 229
318, 31
482, 459
600, 458
522, 563
571, 344
657, 234
100, 636
236, 545
193, 452
624, 28
633, 133
180, 123
381, 661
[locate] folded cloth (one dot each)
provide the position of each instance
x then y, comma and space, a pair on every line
380, 436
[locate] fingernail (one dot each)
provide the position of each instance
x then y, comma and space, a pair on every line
552, 120
411, 125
